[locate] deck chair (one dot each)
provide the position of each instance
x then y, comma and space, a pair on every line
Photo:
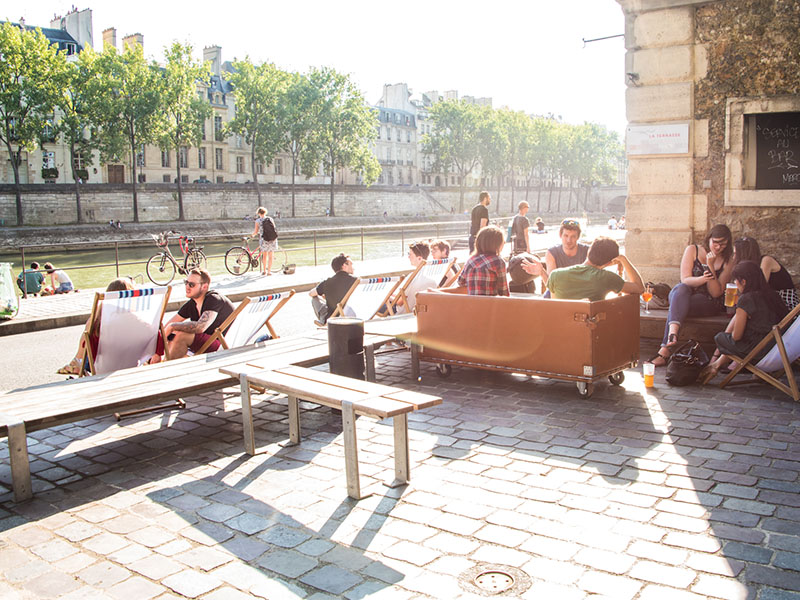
367, 297
780, 357
435, 270
244, 323
451, 280
131, 321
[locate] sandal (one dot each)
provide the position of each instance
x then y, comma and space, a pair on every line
658, 360
672, 341
73, 367
707, 374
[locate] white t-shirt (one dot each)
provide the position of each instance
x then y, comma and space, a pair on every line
612, 223
419, 283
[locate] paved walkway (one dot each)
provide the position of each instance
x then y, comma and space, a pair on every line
672, 493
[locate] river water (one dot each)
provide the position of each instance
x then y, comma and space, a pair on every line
94, 267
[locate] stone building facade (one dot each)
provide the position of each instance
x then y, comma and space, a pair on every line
713, 104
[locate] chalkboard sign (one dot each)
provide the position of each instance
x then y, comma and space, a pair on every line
778, 151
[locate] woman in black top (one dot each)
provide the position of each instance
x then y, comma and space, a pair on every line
775, 273
705, 270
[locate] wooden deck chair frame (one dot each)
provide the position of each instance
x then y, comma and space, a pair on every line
391, 303
339, 312
95, 315
776, 336
453, 278
218, 335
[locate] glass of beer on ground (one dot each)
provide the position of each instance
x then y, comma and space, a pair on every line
647, 295
731, 295
649, 372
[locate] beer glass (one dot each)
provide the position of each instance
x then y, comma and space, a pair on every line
731, 295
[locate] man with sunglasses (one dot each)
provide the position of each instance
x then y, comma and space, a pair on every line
204, 311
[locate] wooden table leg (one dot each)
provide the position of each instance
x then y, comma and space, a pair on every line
294, 420
402, 459
414, 361
247, 416
369, 357
351, 450
20, 464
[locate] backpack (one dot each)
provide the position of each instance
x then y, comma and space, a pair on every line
268, 231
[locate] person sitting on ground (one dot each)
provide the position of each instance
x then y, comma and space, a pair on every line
30, 280
612, 222
621, 224
73, 367
484, 274
418, 252
440, 250
705, 270
266, 248
759, 308
205, 310
59, 280
539, 224
591, 280
776, 275
327, 295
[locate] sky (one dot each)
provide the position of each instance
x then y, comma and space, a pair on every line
528, 55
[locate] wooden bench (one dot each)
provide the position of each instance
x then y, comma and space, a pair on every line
40, 407
702, 329
351, 396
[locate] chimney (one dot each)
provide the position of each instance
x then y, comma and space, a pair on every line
135, 39
213, 55
110, 37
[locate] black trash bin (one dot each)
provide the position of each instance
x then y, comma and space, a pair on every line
346, 346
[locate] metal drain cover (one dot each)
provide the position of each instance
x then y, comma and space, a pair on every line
494, 580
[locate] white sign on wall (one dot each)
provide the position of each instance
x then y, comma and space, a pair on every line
658, 139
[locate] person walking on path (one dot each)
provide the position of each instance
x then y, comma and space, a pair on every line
480, 218
267, 239
519, 230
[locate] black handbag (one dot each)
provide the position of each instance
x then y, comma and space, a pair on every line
686, 363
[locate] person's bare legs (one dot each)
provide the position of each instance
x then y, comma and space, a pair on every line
270, 254
264, 262
178, 346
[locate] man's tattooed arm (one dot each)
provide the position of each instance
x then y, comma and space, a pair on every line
198, 326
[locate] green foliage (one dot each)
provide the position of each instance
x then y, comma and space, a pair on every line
31, 71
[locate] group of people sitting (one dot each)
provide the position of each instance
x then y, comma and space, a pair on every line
187, 331
766, 293
31, 282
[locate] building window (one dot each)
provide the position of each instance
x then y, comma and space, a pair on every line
201, 158
240, 164
184, 157
165, 158
48, 137
184, 179
218, 158
408, 136
140, 157
220, 179
238, 141
379, 132
166, 178
398, 135
79, 161
48, 160
218, 128
278, 166
260, 168
142, 178
203, 127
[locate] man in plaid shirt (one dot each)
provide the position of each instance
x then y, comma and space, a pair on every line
485, 272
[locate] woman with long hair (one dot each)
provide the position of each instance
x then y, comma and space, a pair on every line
759, 307
778, 278
705, 270
484, 274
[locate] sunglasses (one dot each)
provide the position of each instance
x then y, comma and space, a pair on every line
571, 222
191, 284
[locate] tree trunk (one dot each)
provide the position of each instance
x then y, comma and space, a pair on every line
499, 190
294, 170
133, 181
255, 175
78, 209
550, 198
539, 197
333, 182
461, 194
15, 160
586, 200
181, 215
558, 196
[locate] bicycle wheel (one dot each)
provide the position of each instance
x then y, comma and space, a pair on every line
279, 259
195, 259
237, 260
161, 269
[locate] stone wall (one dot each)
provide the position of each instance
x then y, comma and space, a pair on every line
687, 61
55, 204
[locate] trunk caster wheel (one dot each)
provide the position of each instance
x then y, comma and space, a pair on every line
443, 370
584, 389
617, 378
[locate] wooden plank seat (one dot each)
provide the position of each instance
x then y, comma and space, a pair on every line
351, 396
43, 406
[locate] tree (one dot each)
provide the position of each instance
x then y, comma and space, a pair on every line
260, 91
455, 139
494, 147
344, 127
31, 71
125, 102
298, 117
75, 123
183, 112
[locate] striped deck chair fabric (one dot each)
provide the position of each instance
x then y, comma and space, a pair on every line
785, 351
438, 269
367, 296
129, 324
245, 323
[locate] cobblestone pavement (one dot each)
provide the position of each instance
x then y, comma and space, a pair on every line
682, 493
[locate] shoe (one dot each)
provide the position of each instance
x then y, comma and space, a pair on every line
319, 323
73, 367
659, 360
707, 374
672, 341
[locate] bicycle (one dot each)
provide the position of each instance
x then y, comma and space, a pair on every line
161, 267
239, 259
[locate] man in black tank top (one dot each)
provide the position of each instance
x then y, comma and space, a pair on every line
570, 252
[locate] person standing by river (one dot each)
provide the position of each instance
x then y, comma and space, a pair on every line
267, 239
480, 217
